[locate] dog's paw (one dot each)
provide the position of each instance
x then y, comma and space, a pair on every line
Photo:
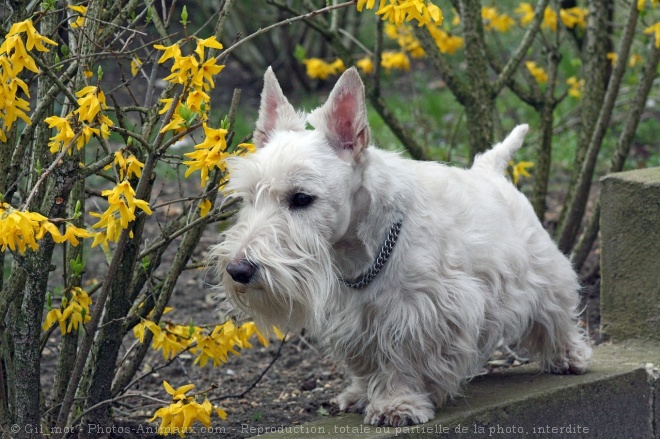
574, 362
399, 412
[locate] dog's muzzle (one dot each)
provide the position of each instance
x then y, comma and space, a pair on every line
241, 270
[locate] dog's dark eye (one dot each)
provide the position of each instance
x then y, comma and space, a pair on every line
299, 200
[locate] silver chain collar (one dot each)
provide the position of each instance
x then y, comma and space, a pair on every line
380, 261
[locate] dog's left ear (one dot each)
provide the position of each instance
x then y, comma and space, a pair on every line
343, 118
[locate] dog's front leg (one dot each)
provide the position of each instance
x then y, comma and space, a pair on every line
397, 400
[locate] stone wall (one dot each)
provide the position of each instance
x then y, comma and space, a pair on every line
630, 258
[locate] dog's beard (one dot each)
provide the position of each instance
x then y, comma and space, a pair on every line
294, 279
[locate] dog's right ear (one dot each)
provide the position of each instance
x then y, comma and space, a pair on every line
343, 118
275, 112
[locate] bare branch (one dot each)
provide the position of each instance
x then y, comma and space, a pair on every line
579, 192
512, 65
288, 21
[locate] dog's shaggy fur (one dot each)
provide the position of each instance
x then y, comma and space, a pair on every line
472, 264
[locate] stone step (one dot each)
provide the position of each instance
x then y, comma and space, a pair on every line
618, 398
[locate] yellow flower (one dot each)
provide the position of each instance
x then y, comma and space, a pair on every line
74, 314
168, 343
184, 411
406, 40
64, 134
179, 393
19, 58
214, 139
100, 238
537, 72
319, 69
223, 340
519, 169
196, 99
76, 311
392, 31
549, 19
139, 330
17, 230
123, 193
80, 21
81, 297
247, 147
446, 43
20, 230
133, 166
106, 123
209, 154
641, 4
12, 106
526, 12
136, 65
655, 30
54, 315
204, 207
395, 60
495, 20
85, 135
575, 16
120, 212
362, 3
91, 100
613, 57
576, 86
51, 228
173, 51
316, 68
183, 69
634, 60
337, 66
278, 333
204, 76
366, 65
34, 39
176, 123
72, 233
208, 42
399, 11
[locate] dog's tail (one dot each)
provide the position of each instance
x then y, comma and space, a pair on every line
497, 158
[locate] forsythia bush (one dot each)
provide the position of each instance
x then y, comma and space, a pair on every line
90, 119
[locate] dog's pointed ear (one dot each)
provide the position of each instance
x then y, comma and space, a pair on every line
275, 112
343, 118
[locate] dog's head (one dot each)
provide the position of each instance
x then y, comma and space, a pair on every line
276, 262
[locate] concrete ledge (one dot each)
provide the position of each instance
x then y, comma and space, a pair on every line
630, 244
615, 399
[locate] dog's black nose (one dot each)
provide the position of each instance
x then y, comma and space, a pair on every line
241, 270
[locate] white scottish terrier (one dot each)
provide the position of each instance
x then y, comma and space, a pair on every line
411, 272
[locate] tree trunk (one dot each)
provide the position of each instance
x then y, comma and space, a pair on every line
28, 308
597, 69
479, 106
109, 339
